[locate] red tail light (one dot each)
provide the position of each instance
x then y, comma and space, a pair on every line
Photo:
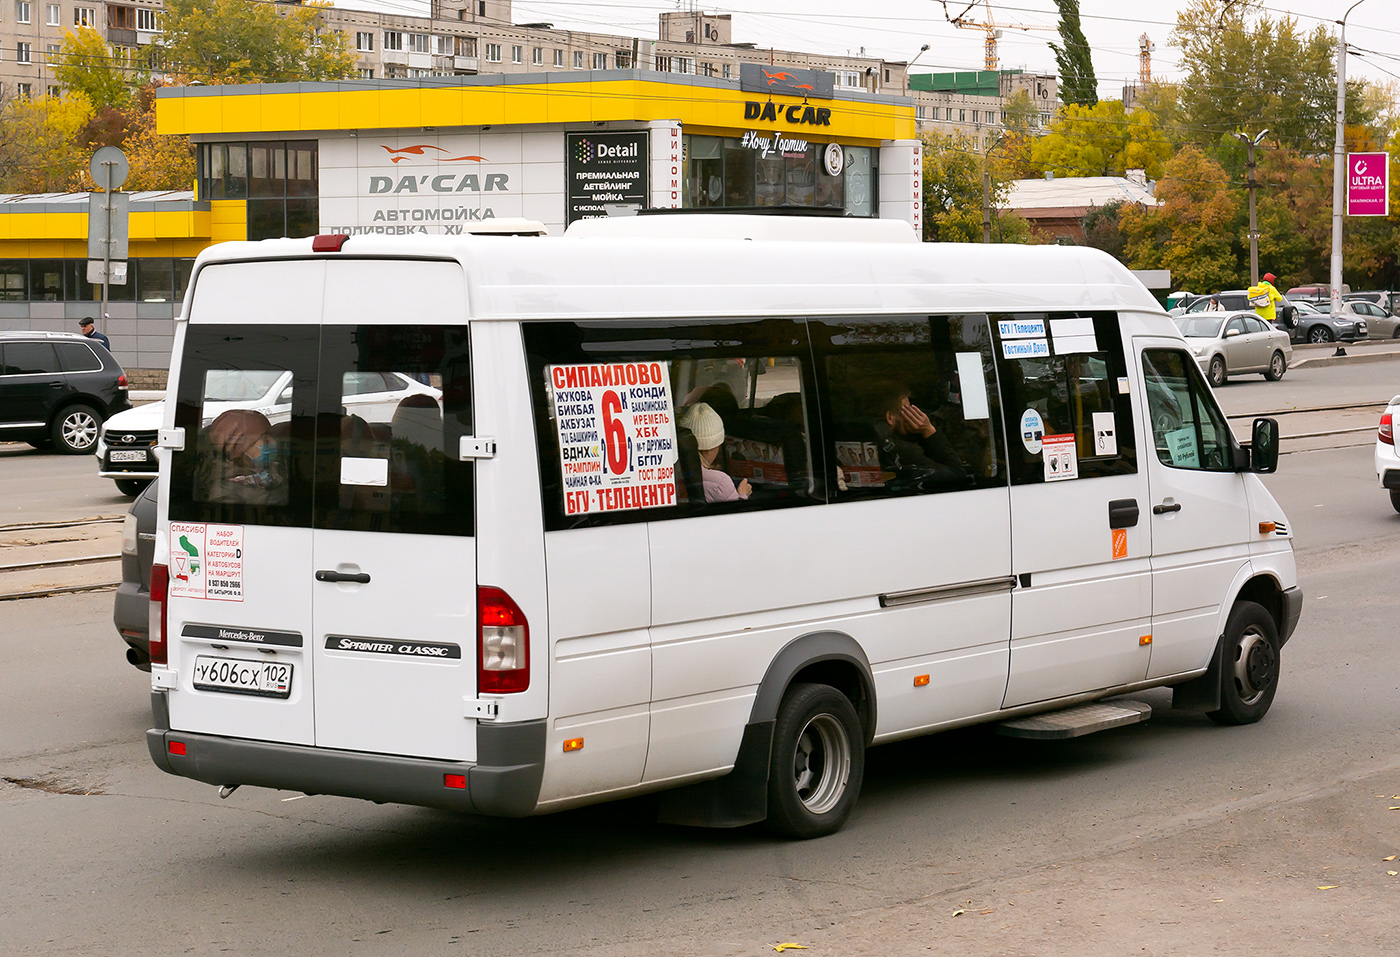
503, 646
328, 242
160, 584
121, 381
1386, 433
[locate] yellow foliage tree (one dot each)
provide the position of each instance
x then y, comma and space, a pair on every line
39, 143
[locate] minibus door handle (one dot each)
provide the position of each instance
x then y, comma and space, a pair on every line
1123, 513
327, 575
1164, 508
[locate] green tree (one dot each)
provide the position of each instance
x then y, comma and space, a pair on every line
1077, 82
238, 41
953, 192
1103, 229
1193, 230
1101, 140
1246, 72
86, 64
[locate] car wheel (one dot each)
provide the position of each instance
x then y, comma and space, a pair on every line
131, 487
1278, 365
1249, 667
1319, 334
75, 430
1395, 499
818, 762
1217, 371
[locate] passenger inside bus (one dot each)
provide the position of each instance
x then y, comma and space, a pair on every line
240, 463
707, 427
910, 445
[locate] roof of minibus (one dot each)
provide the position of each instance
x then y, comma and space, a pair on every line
522, 277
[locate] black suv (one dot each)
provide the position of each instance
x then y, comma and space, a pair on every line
57, 388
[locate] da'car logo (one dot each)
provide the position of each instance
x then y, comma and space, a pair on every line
776, 77
408, 152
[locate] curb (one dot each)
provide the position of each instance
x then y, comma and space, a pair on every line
1347, 359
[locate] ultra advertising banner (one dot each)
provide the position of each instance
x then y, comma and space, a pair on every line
605, 169
1368, 184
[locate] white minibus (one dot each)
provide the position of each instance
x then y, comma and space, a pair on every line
707, 516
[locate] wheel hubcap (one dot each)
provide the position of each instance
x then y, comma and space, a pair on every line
1256, 666
822, 763
79, 430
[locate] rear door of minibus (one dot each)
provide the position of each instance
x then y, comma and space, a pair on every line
336, 598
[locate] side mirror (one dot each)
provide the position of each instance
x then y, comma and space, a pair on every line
1263, 447
1231, 333
286, 397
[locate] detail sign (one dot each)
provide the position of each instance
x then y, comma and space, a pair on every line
605, 169
1368, 184
617, 436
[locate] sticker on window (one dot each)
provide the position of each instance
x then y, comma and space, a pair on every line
759, 462
1025, 349
1061, 462
616, 424
206, 561
1181, 444
860, 464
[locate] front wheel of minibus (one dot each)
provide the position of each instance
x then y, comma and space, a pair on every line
1249, 668
818, 762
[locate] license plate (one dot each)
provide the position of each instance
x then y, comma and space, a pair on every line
271, 679
128, 455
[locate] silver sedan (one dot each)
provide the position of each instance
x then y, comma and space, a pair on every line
1227, 343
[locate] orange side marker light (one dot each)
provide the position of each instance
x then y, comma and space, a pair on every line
1267, 528
573, 744
1145, 640
920, 680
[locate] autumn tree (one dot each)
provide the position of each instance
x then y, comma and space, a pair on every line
1101, 140
237, 41
1077, 82
37, 138
1246, 72
1193, 231
953, 192
86, 64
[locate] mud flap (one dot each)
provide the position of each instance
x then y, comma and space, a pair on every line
1203, 693
738, 798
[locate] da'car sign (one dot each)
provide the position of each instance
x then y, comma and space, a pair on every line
1368, 184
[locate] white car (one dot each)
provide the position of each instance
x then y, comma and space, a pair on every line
126, 448
1387, 459
1231, 343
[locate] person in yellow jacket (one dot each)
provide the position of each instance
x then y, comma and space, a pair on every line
1263, 296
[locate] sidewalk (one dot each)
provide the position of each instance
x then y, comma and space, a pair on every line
1325, 354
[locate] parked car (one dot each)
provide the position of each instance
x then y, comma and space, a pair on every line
57, 388
1380, 324
1387, 299
130, 612
1232, 343
1231, 300
126, 450
1315, 324
126, 447
1387, 458
1315, 292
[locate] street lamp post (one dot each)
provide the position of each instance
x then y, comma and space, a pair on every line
1252, 184
910, 65
1339, 161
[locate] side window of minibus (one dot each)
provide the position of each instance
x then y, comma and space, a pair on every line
1065, 388
909, 405
245, 400
658, 420
1188, 429
395, 400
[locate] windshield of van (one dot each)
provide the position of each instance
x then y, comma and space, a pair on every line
1201, 327
235, 385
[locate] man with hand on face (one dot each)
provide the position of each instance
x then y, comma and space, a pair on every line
910, 445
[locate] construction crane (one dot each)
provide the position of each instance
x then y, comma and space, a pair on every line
1145, 48
989, 26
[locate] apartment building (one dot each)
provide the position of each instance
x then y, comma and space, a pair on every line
32, 31
975, 103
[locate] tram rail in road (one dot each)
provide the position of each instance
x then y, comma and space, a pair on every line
38, 559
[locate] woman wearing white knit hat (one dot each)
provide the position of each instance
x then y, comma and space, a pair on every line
708, 428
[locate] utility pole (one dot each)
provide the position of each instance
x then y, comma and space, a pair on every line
986, 197
1339, 161
1252, 185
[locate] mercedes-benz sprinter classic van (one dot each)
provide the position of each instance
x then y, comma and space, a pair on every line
709, 516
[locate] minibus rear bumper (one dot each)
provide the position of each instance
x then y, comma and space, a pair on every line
504, 782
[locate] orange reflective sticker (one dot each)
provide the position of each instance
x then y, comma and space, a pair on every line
1120, 543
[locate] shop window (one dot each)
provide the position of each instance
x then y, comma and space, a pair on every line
157, 280
1064, 385
14, 280
717, 419
303, 216
910, 405
267, 169
76, 287
860, 178
1188, 429
184, 268
302, 175
46, 280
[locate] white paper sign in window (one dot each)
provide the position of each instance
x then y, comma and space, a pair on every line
616, 423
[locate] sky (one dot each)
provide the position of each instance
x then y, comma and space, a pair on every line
896, 29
